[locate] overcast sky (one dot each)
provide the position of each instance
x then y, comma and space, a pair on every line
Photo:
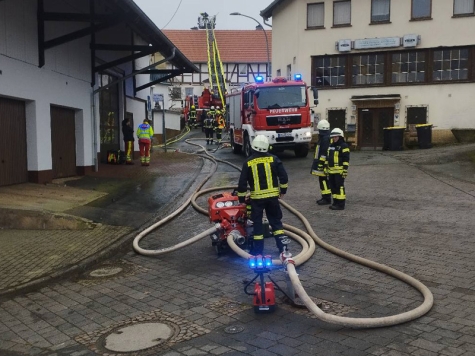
162, 12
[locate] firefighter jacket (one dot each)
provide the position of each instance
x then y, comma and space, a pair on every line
193, 113
265, 174
220, 123
127, 131
145, 132
338, 157
321, 149
208, 122
212, 113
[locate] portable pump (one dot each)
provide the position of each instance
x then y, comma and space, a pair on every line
230, 217
264, 293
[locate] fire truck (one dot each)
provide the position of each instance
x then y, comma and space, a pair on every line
201, 103
278, 109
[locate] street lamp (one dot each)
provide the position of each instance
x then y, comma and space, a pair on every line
265, 34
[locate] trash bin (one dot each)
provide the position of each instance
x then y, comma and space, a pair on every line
424, 135
393, 138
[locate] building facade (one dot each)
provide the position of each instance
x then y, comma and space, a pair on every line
70, 72
381, 63
245, 54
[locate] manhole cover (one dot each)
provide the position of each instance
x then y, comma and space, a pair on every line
105, 272
233, 329
138, 337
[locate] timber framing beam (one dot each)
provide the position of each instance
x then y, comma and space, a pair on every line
160, 80
102, 67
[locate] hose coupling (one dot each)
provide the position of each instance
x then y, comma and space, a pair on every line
237, 237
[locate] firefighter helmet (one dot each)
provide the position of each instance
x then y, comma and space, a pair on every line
212, 108
323, 125
192, 106
217, 107
337, 132
260, 143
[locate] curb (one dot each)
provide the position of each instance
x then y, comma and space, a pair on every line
119, 246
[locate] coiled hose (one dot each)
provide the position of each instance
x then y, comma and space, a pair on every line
307, 241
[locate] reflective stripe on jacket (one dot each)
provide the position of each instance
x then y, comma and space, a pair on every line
338, 157
266, 176
145, 131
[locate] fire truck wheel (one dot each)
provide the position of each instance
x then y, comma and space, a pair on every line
236, 148
301, 151
247, 146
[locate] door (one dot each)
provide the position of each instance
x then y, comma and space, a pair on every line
371, 123
13, 157
63, 142
337, 118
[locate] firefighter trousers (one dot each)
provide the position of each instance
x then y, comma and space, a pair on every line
144, 145
325, 188
337, 186
274, 214
129, 150
209, 134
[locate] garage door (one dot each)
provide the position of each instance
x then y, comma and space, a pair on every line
13, 157
63, 142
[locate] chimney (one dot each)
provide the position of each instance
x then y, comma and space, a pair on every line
259, 27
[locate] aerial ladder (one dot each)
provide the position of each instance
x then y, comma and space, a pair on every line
217, 82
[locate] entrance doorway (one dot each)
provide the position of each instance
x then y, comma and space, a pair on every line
370, 126
63, 142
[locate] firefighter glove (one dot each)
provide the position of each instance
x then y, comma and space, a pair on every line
344, 174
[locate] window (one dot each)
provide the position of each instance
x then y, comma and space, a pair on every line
421, 9
368, 69
464, 7
330, 71
315, 15
289, 72
279, 73
243, 70
380, 10
408, 67
416, 115
450, 64
342, 13
189, 91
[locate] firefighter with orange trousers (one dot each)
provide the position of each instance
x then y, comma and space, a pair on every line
145, 134
219, 126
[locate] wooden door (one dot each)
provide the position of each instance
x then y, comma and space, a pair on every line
13, 153
63, 142
371, 123
337, 118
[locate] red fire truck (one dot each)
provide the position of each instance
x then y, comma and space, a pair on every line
278, 109
202, 103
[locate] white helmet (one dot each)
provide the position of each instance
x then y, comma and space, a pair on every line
217, 107
336, 132
212, 108
260, 143
323, 125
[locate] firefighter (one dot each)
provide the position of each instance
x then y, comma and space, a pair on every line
212, 112
128, 133
219, 126
208, 126
145, 134
192, 118
318, 165
266, 176
337, 162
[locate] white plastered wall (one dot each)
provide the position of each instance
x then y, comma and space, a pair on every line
449, 104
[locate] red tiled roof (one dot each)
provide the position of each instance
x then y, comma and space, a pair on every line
235, 46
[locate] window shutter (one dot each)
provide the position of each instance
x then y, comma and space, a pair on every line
342, 13
315, 15
463, 7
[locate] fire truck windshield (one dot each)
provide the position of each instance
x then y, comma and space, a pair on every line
281, 97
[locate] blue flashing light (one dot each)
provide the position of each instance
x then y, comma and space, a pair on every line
252, 262
259, 79
268, 260
298, 76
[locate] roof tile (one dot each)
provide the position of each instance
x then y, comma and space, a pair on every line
235, 46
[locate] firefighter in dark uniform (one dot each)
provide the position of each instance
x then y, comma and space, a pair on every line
338, 160
265, 174
212, 112
318, 165
208, 126
192, 121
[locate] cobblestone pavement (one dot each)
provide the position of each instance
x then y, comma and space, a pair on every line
401, 211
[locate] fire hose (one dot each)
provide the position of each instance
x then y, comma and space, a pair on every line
307, 241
